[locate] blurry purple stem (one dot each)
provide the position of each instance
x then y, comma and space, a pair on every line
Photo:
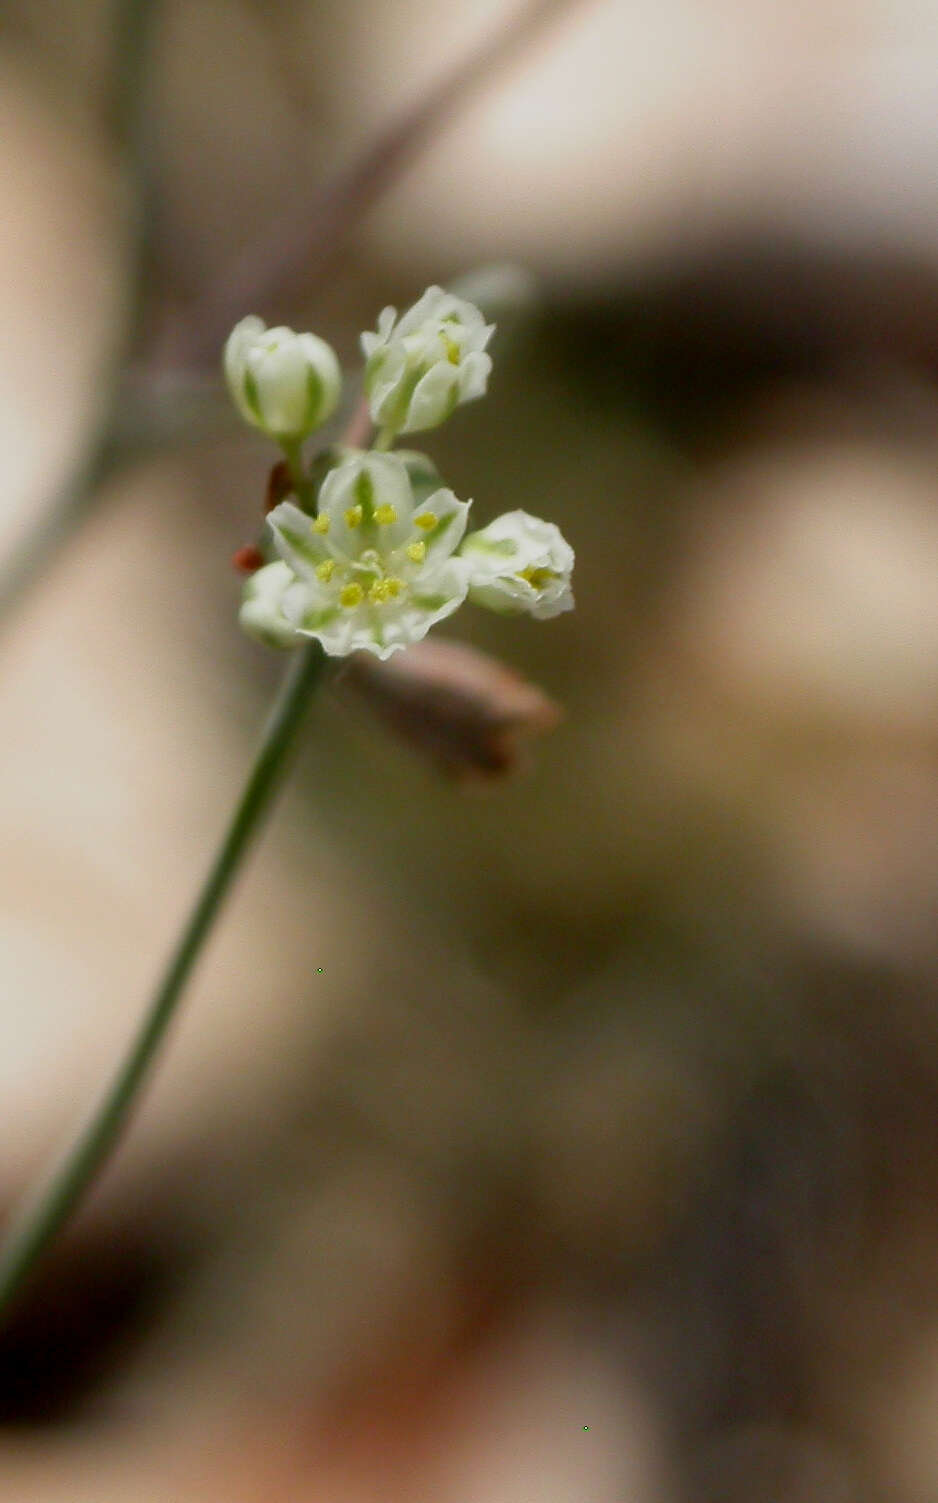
305, 242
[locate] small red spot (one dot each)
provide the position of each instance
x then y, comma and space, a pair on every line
248, 559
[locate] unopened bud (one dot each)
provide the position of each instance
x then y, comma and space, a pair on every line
284, 383
466, 712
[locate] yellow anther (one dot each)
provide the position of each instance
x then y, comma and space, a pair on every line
325, 570
385, 515
417, 552
353, 516
351, 595
426, 520
321, 524
536, 578
452, 350
384, 590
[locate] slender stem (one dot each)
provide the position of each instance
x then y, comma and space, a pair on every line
385, 439
293, 453
43, 1215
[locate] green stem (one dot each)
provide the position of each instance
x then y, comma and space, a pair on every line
44, 1214
293, 453
385, 439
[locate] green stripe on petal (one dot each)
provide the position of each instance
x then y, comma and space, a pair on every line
365, 496
443, 525
429, 602
314, 619
314, 399
300, 544
251, 394
498, 547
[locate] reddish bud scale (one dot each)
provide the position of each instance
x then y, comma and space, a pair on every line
248, 559
279, 485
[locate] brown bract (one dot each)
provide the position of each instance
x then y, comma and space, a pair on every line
465, 711
279, 486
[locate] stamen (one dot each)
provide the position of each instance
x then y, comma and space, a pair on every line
536, 578
351, 595
384, 590
426, 520
417, 552
385, 515
325, 570
321, 524
353, 516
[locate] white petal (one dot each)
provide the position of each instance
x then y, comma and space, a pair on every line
386, 322
295, 541
474, 373
507, 596
341, 494
435, 396
429, 600
280, 379
323, 361
443, 539
240, 341
439, 593
382, 381
310, 605
242, 337
553, 601
424, 309
262, 612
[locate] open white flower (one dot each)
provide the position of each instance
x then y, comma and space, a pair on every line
519, 563
284, 383
375, 569
261, 614
422, 365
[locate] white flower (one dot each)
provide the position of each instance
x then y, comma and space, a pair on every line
422, 366
261, 613
375, 569
519, 563
287, 384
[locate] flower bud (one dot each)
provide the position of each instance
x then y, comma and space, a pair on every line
464, 711
519, 563
422, 365
261, 615
284, 383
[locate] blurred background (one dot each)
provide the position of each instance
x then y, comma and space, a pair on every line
574, 1138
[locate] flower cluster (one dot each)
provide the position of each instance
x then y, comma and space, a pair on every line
374, 551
